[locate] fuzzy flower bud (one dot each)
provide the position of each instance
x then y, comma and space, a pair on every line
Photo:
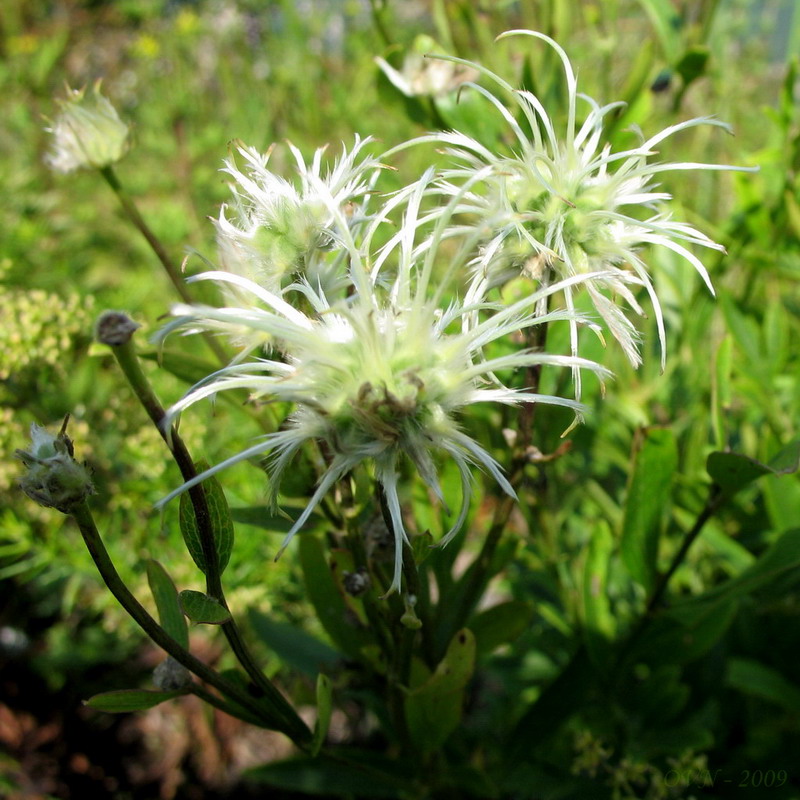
54, 478
88, 132
170, 676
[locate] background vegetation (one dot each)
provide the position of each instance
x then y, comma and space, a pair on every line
579, 705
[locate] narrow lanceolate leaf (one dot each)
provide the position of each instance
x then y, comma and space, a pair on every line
599, 624
221, 523
324, 712
434, 709
169, 610
648, 496
201, 608
733, 471
130, 700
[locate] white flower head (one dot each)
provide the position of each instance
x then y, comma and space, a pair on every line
87, 133
426, 77
564, 206
274, 231
381, 378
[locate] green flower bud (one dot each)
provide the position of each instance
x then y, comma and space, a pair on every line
54, 478
88, 132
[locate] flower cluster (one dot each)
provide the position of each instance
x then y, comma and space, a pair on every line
564, 206
359, 326
379, 378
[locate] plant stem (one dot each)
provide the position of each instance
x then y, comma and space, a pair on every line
94, 543
129, 363
714, 501
477, 575
228, 708
132, 212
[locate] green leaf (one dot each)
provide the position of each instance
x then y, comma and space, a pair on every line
733, 471
648, 497
434, 709
373, 778
500, 624
691, 627
201, 608
757, 679
261, 517
165, 594
782, 559
292, 645
599, 626
221, 523
329, 603
324, 712
721, 389
666, 22
130, 700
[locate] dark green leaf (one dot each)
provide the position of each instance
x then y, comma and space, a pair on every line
328, 600
733, 471
648, 495
324, 712
201, 608
434, 709
129, 700
500, 624
759, 680
292, 645
326, 776
166, 596
221, 522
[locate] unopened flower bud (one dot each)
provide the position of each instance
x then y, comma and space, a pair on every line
54, 478
88, 132
356, 583
115, 328
170, 676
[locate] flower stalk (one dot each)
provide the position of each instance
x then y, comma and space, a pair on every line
125, 354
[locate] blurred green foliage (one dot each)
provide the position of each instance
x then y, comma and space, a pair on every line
577, 706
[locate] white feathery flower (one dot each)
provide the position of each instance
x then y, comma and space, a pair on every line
564, 206
426, 77
379, 378
87, 133
274, 231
